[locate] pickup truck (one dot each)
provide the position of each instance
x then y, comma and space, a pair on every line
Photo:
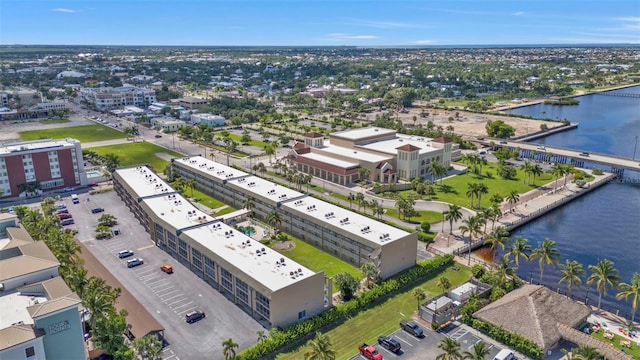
389, 343
370, 352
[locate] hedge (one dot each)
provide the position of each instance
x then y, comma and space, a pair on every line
340, 312
515, 341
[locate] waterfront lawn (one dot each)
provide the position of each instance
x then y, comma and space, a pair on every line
53, 121
634, 351
85, 133
138, 153
423, 215
318, 260
382, 318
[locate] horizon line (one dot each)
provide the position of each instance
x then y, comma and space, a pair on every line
595, 44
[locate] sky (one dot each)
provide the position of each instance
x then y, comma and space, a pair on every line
319, 22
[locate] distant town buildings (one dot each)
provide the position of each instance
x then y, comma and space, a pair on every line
40, 317
208, 119
105, 99
29, 168
167, 124
192, 102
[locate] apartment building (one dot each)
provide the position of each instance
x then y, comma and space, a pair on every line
387, 155
40, 317
107, 98
261, 281
29, 168
193, 103
208, 119
352, 237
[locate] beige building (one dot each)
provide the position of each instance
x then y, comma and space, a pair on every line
193, 103
387, 155
352, 237
258, 279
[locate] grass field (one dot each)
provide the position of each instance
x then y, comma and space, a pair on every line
380, 319
253, 142
86, 133
318, 260
203, 198
138, 154
53, 121
634, 351
424, 215
225, 211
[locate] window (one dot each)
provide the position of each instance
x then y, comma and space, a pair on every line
262, 305
227, 281
242, 290
302, 314
30, 351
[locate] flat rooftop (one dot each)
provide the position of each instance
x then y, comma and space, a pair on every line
356, 154
13, 308
210, 167
329, 160
176, 211
264, 265
36, 145
389, 146
363, 133
144, 182
364, 229
257, 186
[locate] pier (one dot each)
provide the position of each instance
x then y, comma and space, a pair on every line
618, 94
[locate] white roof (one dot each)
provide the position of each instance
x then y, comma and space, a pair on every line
355, 154
329, 160
242, 252
13, 308
390, 146
264, 188
464, 289
37, 145
212, 168
144, 182
439, 303
176, 211
362, 133
364, 229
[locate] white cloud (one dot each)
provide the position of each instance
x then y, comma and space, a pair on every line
63, 10
342, 36
388, 24
629, 19
518, 13
423, 42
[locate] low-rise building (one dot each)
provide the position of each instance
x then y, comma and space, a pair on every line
192, 102
108, 98
167, 125
208, 119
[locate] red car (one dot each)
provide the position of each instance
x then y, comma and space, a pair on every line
63, 216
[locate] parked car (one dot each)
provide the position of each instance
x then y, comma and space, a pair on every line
389, 343
167, 268
97, 210
157, 136
62, 216
194, 316
61, 206
68, 189
412, 328
62, 211
370, 352
541, 148
66, 222
503, 142
134, 262
584, 153
125, 254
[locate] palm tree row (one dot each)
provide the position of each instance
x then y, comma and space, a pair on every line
529, 170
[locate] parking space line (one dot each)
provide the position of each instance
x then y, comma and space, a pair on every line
173, 297
157, 292
149, 277
381, 349
151, 284
160, 287
181, 312
176, 302
146, 247
404, 341
178, 307
147, 271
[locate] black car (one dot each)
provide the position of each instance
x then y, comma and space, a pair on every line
97, 210
194, 316
157, 136
389, 343
503, 142
412, 328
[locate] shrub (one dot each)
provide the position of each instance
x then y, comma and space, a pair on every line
425, 226
477, 270
510, 339
596, 171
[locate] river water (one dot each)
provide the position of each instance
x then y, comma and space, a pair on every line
604, 224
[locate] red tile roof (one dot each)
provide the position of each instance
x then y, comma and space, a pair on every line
408, 147
442, 140
313, 134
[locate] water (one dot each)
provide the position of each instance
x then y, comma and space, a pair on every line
604, 224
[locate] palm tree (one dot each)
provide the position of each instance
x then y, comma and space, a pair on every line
262, 335
420, 295
364, 173
370, 272
546, 253
557, 170
480, 351
320, 348
536, 170
582, 353
451, 349
269, 150
443, 283
248, 203
99, 299
497, 239
359, 199
631, 289
481, 188
273, 218
111, 161
148, 347
472, 190
229, 349
512, 198
191, 184
351, 198
472, 226
503, 268
520, 249
454, 213
603, 274
571, 273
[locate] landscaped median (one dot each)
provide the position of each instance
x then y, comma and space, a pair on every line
387, 289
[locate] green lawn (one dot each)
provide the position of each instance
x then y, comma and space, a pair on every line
318, 260
53, 121
203, 198
137, 154
380, 319
634, 351
253, 142
424, 215
86, 133
224, 211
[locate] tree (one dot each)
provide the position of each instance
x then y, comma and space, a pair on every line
229, 349
262, 335
107, 220
472, 226
191, 184
450, 348
546, 253
632, 290
347, 284
603, 274
320, 348
351, 198
269, 150
479, 352
571, 273
364, 173
520, 249
452, 214
420, 295
497, 239
481, 189
444, 283
109, 333
512, 198
111, 161
99, 299
248, 203
557, 170
359, 200
503, 269
472, 190
370, 272
499, 129
148, 347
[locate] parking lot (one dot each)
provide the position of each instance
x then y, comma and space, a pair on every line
427, 347
168, 297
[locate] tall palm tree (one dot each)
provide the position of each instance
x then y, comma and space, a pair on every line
480, 351
370, 272
191, 184
503, 269
572, 273
472, 226
557, 170
420, 295
472, 190
320, 348
443, 283
229, 349
273, 218
512, 198
451, 349
603, 274
481, 189
497, 239
536, 170
351, 199
520, 249
547, 254
631, 289
454, 213
248, 203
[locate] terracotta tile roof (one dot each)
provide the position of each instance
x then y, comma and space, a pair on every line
407, 147
442, 140
313, 134
299, 146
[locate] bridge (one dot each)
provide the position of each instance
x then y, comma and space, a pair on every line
618, 94
562, 155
